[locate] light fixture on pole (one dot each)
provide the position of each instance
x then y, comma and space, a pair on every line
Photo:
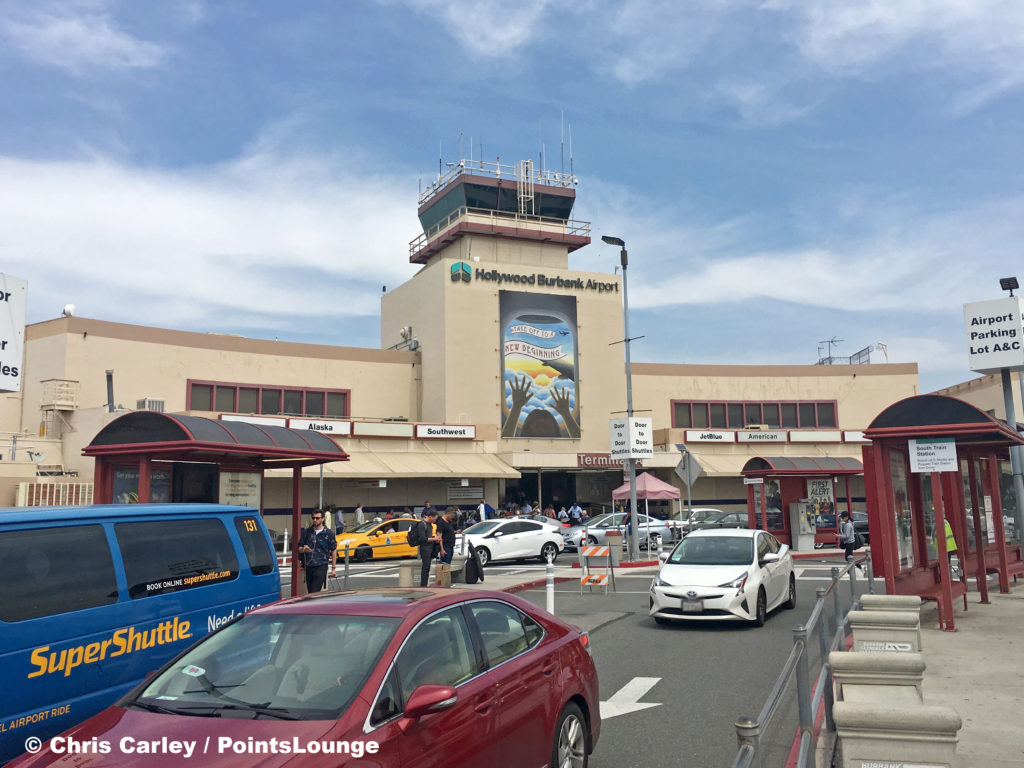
1009, 284
634, 535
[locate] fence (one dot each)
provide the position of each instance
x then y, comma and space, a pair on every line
769, 739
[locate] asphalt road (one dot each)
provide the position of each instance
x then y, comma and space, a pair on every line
707, 673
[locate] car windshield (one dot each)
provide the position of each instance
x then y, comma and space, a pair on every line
365, 527
595, 521
484, 527
609, 521
703, 514
713, 550
723, 517
289, 667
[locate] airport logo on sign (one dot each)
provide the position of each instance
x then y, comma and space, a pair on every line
461, 271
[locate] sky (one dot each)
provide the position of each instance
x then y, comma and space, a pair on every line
783, 172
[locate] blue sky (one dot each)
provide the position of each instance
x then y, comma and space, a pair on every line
782, 172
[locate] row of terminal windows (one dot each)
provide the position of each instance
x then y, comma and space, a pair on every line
704, 415
277, 401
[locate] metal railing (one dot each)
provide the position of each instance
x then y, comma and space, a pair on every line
752, 733
497, 170
490, 217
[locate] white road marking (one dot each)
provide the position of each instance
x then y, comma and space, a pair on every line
627, 698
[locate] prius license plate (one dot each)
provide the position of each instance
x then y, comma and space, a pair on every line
692, 606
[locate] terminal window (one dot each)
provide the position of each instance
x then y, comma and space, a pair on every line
689, 414
228, 397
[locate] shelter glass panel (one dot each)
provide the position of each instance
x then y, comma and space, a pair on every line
789, 415
928, 507
965, 476
902, 509
1011, 517
201, 397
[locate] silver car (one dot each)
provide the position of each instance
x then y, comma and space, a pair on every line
598, 528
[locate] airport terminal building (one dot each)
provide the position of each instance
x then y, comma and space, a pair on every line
498, 375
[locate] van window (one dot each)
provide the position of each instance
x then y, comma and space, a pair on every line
46, 571
254, 542
173, 555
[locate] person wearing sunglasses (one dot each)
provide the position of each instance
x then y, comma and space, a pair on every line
318, 547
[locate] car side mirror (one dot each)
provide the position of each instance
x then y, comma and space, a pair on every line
663, 557
428, 699
771, 557
498, 533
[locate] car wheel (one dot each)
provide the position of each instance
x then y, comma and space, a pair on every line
591, 540
790, 604
569, 749
549, 550
363, 554
761, 611
484, 555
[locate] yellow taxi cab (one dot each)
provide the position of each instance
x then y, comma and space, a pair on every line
387, 538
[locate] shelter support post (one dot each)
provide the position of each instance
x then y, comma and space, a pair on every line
997, 522
945, 596
145, 468
296, 527
1016, 458
980, 572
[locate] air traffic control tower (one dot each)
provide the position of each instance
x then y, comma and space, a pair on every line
508, 335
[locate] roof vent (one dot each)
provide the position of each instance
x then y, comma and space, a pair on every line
150, 404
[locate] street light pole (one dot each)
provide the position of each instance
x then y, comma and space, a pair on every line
634, 536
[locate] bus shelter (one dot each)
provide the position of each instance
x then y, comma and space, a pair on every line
794, 497
147, 456
931, 459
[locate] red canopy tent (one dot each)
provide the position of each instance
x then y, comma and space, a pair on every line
647, 487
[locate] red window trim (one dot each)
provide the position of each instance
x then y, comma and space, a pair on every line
259, 396
743, 403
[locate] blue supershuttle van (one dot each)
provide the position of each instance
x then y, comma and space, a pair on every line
93, 598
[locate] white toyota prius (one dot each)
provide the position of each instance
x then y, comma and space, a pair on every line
724, 574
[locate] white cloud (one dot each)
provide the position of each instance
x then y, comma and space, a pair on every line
78, 40
270, 237
488, 28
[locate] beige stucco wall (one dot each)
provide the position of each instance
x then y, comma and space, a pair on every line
861, 392
986, 393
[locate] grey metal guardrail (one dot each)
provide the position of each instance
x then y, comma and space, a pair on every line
753, 733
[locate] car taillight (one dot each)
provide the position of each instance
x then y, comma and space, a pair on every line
585, 642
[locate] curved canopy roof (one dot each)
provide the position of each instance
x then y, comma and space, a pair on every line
936, 415
196, 438
802, 465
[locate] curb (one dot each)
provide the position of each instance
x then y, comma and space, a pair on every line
535, 584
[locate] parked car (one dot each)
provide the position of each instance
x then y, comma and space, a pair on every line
598, 528
860, 524
401, 676
376, 539
724, 574
511, 539
573, 535
555, 523
724, 520
696, 516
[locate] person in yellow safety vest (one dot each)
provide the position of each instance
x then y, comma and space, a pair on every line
950, 544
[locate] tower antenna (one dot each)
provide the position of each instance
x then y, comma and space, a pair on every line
830, 343
561, 167
570, 149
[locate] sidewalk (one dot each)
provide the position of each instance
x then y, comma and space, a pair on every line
979, 671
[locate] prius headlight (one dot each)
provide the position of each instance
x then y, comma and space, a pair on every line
660, 582
735, 583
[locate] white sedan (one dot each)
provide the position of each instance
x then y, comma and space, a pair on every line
511, 539
724, 574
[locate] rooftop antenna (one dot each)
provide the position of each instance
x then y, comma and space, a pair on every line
570, 149
561, 167
440, 158
460, 145
830, 342
540, 144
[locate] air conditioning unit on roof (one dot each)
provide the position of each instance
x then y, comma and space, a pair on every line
150, 404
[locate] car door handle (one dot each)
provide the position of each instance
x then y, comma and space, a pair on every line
483, 705
549, 668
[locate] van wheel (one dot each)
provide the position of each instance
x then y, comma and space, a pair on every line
363, 554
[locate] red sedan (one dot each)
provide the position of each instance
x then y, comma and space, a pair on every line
386, 677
